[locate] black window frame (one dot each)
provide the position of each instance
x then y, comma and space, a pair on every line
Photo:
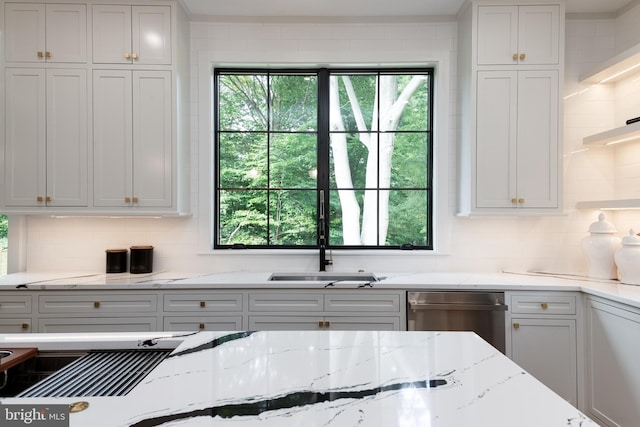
323, 155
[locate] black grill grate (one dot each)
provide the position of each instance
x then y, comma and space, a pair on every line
99, 373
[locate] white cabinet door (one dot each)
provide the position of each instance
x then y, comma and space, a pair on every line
202, 323
46, 33
133, 143
517, 139
517, 35
613, 377
67, 138
547, 349
131, 35
46, 137
97, 324
25, 137
152, 139
286, 323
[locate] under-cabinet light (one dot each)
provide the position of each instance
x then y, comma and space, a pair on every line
620, 73
618, 141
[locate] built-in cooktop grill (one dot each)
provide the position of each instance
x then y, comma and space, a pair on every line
99, 373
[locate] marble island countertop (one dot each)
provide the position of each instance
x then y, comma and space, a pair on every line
324, 378
520, 281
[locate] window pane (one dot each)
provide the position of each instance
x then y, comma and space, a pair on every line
243, 217
292, 218
243, 160
352, 155
404, 102
409, 166
242, 102
293, 160
408, 218
347, 92
294, 103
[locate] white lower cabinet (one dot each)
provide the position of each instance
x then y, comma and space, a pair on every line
543, 338
15, 313
203, 311
97, 312
335, 323
613, 356
202, 323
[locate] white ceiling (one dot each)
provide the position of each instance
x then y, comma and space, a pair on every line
361, 8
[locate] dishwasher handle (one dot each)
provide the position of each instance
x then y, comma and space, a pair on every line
482, 307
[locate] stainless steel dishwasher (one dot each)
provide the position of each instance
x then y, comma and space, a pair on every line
480, 312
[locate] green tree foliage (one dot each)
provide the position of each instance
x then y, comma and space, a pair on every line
4, 227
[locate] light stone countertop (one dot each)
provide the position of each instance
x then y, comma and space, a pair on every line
323, 378
503, 281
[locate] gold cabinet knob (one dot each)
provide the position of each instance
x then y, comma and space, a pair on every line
320, 324
47, 54
39, 199
515, 56
327, 324
522, 57
516, 326
514, 201
40, 54
127, 56
201, 326
203, 304
25, 326
127, 199
520, 200
544, 305
134, 56
96, 304
48, 198
135, 200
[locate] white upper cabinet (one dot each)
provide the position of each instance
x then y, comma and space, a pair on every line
131, 34
133, 147
42, 33
518, 35
46, 138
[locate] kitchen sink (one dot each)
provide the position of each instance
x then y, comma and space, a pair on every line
324, 277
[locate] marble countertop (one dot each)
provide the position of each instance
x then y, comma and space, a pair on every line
325, 378
520, 281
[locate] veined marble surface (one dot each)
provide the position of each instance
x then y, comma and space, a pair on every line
331, 378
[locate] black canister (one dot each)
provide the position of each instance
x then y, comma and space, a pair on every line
141, 259
116, 260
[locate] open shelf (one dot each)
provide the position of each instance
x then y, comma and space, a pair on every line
614, 68
613, 136
616, 204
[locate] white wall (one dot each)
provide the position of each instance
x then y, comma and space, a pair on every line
475, 244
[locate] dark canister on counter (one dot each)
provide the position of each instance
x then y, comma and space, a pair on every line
141, 260
116, 260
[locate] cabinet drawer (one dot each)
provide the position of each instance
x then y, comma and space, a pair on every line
280, 302
202, 323
97, 324
98, 303
540, 304
15, 304
15, 326
203, 302
388, 303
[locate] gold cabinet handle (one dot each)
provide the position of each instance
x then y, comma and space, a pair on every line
47, 54
25, 326
544, 305
127, 56
320, 324
39, 199
203, 304
201, 326
327, 324
135, 200
514, 201
127, 199
40, 54
516, 326
134, 56
520, 200
96, 304
48, 198
522, 56
515, 56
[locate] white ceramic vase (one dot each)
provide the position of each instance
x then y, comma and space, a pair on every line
599, 249
628, 259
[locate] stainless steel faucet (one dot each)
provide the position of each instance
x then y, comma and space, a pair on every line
322, 240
